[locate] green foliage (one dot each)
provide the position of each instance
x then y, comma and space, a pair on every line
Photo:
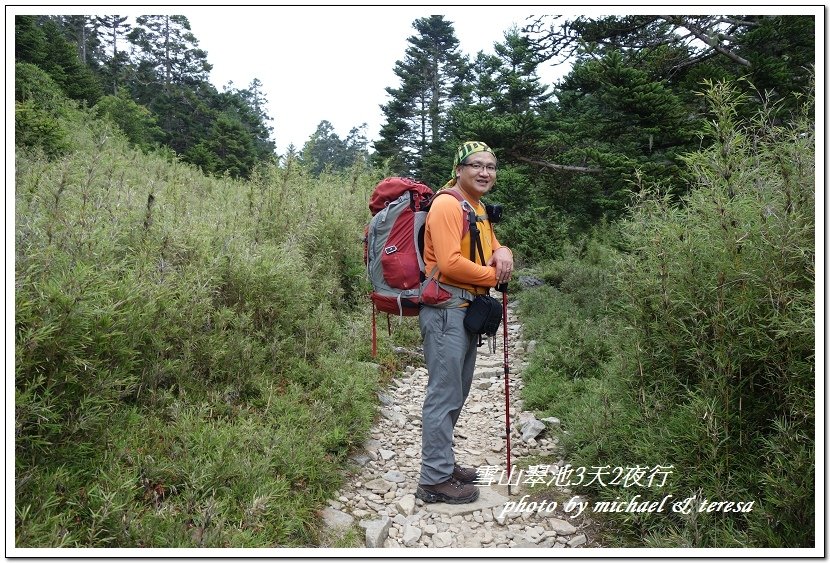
782, 50
535, 234
36, 128
185, 345
29, 40
431, 76
34, 85
698, 352
507, 100
227, 148
43, 45
628, 110
136, 121
325, 150
165, 73
617, 118
167, 45
43, 114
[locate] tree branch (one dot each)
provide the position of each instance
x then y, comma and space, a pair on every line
709, 40
737, 22
562, 167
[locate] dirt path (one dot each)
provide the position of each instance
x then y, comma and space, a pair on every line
380, 497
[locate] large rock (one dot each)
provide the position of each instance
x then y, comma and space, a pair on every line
552, 421
361, 459
394, 416
530, 427
406, 505
577, 540
394, 476
442, 539
561, 527
337, 520
376, 531
379, 485
386, 454
488, 372
411, 535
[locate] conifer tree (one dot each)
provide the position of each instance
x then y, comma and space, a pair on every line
29, 40
170, 76
114, 29
431, 78
167, 44
506, 98
249, 107
325, 150
321, 150
82, 31
44, 45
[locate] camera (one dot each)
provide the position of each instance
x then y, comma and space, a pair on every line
494, 211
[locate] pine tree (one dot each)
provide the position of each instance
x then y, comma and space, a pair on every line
29, 40
43, 44
226, 149
356, 146
171, 78
249, 106
167, 45
81, 31
321, 151
431, 75
114, 28
325, 150
506, 100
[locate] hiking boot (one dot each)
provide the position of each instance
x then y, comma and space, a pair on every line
464, 474
450, 491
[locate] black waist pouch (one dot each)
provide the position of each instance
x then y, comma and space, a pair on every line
483, 315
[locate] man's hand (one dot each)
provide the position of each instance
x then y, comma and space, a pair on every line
502, 260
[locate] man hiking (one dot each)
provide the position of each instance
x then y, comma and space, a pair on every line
449, 348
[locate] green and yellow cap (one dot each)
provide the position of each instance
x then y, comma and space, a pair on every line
464, 150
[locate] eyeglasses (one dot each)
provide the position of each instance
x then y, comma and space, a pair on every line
478, 167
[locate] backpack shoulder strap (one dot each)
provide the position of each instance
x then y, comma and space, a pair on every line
471, 225
468, 210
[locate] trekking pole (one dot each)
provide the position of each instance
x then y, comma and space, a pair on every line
503, 289
374, 333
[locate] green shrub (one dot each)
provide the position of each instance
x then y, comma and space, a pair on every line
35, 128
721, 303
34, 85
695, 349
136, 121
183, 377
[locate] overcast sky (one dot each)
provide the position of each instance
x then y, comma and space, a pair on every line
330, 63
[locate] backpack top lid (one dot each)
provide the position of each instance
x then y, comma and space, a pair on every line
390, 189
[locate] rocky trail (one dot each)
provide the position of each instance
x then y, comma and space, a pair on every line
380, 494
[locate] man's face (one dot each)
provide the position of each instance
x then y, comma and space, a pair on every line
477, 174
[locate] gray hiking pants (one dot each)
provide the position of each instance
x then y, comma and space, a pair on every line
450, 353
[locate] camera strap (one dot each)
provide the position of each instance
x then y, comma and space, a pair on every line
475, 244
475, 238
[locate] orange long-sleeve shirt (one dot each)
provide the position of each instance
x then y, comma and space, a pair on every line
445, 247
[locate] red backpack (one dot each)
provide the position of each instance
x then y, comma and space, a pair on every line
394, 245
